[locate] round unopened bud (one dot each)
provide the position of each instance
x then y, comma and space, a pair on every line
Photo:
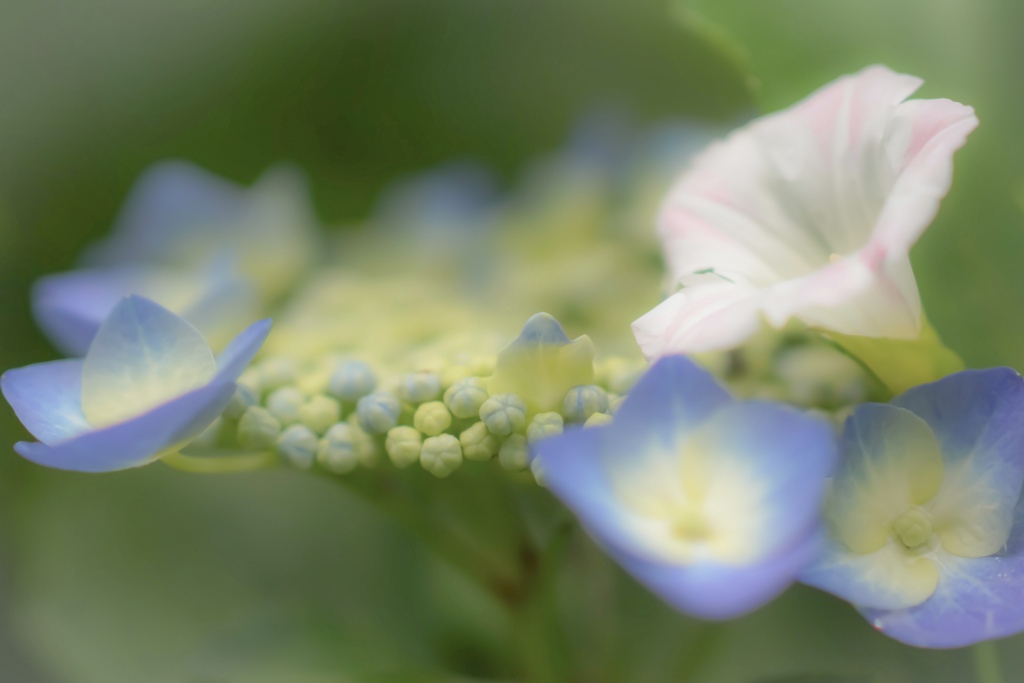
276, 372
299, 445
419, 387
583, 401
441, 455
432, 418
319, 413
377, 413
403, 445
514, 454
243, 397
465, 397
478, 443
337, 449
598, 419
366, 446
351, 380
257, 428
503, 414
543, 425
285, 404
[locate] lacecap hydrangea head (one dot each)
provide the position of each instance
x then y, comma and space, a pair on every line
711, 502
147, 386
925, 520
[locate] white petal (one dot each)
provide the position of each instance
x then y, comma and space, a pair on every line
817, 207
699, 319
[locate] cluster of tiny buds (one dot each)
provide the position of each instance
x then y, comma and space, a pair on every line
340, 416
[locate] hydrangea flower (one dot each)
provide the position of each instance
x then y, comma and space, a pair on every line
183, 216
808, 213
711, 502
926, 525
71, 306
148, 385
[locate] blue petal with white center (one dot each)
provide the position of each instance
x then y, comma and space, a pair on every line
147, 387
70, 307
711, 503
924, 515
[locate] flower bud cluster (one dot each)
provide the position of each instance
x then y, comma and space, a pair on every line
340, 414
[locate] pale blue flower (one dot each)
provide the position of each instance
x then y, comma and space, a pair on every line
710, 502
148, 385
926, 525
70, 307
183, 216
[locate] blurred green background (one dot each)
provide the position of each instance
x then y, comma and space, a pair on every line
153, 575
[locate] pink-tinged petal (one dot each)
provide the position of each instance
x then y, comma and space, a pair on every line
817, 207
702, 319
850, 296
931, 131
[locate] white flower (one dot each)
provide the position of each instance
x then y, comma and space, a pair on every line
808, 213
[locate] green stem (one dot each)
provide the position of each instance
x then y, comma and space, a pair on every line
411, 508
700, 651
228, 464
986, 663
534, 617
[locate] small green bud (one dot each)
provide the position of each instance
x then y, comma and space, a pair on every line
351, 380
366, 447
478, 443
276, 372
432, 418
543, 425
243, 397
319, 413
299, 445
403, 445
503, 414
419, 387
441, 455
514, 453
378, 412
583, 401
598, 419
257, 428
337, 450
285, 404
465, 397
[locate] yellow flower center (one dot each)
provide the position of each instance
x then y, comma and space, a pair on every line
914, 528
